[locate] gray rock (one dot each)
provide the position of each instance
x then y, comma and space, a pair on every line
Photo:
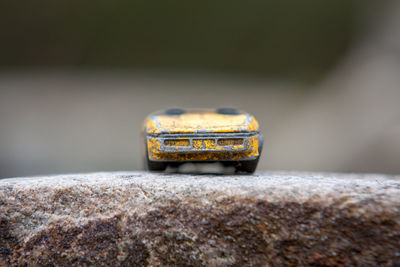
139, 218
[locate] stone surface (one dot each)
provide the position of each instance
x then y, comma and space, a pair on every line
138, 219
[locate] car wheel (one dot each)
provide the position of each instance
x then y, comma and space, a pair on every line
154, 166
250, 166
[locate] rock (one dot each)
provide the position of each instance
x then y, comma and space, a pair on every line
140, 218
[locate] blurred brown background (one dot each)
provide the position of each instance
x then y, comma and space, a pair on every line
77, 78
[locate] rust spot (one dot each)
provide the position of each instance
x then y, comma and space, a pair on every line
177, 142
230, 141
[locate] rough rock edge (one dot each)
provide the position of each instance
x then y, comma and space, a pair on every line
138, 218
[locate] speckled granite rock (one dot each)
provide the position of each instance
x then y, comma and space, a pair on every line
138, 219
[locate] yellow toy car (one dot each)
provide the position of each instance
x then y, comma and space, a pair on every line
225, 135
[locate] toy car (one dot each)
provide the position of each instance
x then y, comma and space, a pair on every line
225, 135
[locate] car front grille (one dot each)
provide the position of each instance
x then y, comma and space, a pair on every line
203, 142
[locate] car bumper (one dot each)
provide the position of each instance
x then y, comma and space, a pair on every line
203, 147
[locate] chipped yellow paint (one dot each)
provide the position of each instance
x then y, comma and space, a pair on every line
203, 144
209, 144
153, 145
253, 125
151, 126
155, 153
206, 121
202, 121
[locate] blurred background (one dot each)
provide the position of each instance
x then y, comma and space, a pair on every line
77, 79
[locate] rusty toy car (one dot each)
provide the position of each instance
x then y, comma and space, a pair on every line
225, 135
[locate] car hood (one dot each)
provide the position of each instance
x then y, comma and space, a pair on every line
201, 123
